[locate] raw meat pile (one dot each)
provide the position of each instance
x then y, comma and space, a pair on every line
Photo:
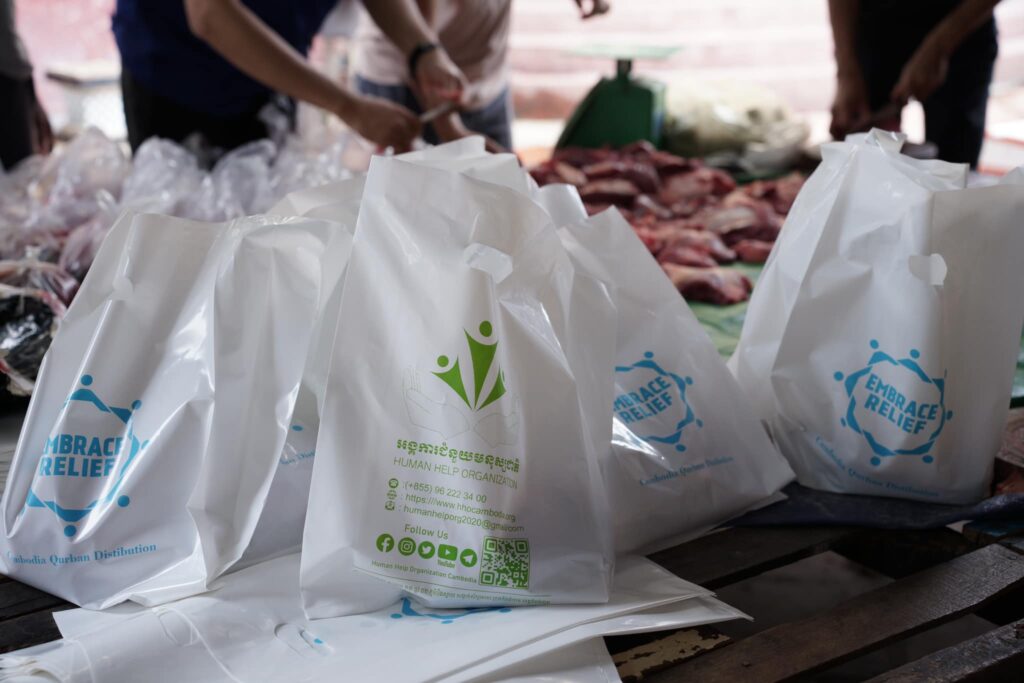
55, 211
693, 218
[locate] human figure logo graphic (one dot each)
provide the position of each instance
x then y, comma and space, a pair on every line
653, 402
124, 419
482, 356
897, 407
467, 403
446, 617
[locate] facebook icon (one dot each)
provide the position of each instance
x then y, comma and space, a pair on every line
385, 543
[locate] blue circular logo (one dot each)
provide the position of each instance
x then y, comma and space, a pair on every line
897, 407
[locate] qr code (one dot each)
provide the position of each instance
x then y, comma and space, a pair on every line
505, 563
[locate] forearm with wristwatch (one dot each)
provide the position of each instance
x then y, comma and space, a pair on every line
430, 68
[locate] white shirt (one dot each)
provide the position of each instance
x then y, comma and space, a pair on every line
474, 33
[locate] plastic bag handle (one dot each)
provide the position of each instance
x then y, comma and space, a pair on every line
887, 141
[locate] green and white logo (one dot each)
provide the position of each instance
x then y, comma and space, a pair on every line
472, 394
481, 355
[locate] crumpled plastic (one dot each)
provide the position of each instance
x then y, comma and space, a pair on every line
57, 209
741, 124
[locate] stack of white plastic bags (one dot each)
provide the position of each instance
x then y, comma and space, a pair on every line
504, 398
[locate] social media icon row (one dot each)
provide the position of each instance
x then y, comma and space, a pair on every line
426, 550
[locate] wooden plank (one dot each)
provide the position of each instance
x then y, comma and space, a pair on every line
902, 553
865, 623
17, 599
994, 657
643, 660
735, 554
982, 533
28, 630
1016, 543
633, 641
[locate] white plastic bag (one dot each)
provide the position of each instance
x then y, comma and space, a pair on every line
881, 339
702, 459
163, 407
456, 457
279, 530
253, 625
687, 452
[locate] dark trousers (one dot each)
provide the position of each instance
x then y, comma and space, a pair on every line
150, 115
494, 120
954, 115
17, 100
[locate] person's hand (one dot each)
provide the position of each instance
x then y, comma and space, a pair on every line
438, 78
451, 127
382, 122
850, 107
597, 8
922, 75
42, 133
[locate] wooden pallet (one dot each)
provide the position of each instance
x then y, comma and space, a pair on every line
941, 575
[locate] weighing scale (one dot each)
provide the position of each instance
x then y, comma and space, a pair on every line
621, 109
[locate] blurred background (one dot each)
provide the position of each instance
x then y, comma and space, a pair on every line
780, 51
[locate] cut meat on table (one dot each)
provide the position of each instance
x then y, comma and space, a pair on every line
741, 217
720, 286
647, 205
651, 237
753, 251
615, 191
779, 193
642, 175
686, 213
676, 234
701, 182
686, 255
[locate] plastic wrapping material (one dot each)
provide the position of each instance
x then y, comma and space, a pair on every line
688, 452
28, 322
150, 424
280, 526
881, 340
495, 360
59, 208
747, 123
39, 276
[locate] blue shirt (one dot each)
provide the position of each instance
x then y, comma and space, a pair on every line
159, 50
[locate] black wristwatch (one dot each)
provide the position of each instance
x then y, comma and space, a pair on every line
416, 54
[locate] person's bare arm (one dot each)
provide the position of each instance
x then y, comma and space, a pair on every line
927, 68
850, 105
401, 21
243, 39
428, 10
843, 16
448, 126
596, 9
